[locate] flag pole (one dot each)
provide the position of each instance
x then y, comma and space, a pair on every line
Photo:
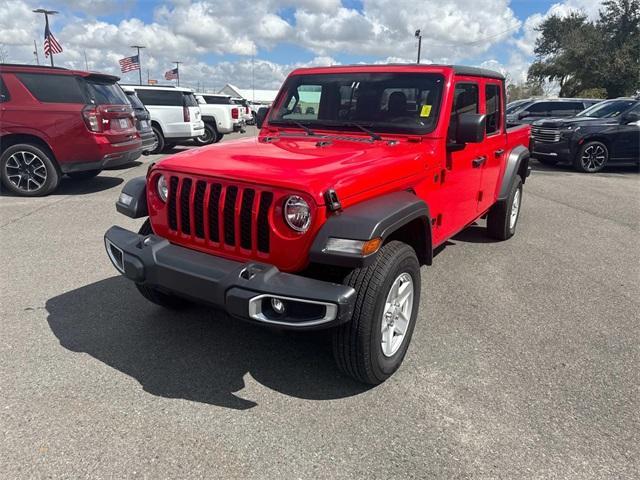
46, 21
138, 47
177, 71
35, 52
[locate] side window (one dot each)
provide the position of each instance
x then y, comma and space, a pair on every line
4, 93
166, 98
190, 100
540, 108
493, 108
465, 100
53, 88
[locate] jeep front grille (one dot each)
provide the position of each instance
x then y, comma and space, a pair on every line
546, 135
222, 215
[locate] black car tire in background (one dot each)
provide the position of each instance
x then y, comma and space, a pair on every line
159, 140
210, 135
592, 157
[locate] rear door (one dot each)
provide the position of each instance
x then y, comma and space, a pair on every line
494, 143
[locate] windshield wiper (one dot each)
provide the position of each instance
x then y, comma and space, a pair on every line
374, 135
307, 130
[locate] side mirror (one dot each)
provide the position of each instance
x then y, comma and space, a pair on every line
523, 114
632, 117
261, 114
471, 128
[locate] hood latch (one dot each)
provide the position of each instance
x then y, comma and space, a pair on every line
332, 201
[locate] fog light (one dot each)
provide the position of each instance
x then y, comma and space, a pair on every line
277, 305
125, 199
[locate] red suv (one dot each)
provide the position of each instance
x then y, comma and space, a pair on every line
56, 121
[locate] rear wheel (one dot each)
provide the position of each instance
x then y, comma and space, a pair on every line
87, 174
503, 216
28, 170
158, 146
371, 347
592, 157
153, 295
210, 135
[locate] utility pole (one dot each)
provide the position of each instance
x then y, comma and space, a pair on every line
46, 20
86, 64
35, 52
177, 71
419, 37
138, 47
253, 87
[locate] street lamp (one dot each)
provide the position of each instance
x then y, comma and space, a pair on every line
419, 37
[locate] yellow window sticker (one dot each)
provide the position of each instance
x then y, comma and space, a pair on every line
425, 111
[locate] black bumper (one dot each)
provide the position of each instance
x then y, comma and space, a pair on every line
560, 151
244, 290
111, 160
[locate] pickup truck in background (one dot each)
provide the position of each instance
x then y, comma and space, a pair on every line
220, 115
323, 221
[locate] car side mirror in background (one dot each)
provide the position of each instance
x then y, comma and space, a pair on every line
261, 114
471, 128
631, 117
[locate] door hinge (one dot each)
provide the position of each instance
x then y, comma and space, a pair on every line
332, 201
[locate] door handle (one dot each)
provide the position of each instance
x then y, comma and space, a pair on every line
477, 162
499, 153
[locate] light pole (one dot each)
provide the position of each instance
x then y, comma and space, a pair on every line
138, 47
419, 37
46, 20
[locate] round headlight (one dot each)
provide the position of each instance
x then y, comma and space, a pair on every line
163, 189
297, 213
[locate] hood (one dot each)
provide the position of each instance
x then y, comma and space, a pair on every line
312, 164
573, 122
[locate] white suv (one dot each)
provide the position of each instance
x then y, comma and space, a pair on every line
175, 114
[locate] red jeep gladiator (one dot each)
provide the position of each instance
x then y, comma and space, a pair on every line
324, 219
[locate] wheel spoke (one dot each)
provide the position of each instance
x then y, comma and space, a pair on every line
404, 292
387, 340
401, 324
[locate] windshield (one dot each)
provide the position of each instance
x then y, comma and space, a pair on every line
384, 102
513, 107
608, 109
105, 93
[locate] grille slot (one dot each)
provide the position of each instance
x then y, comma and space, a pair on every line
214, 215
266, 198
230, 216
198, 208
246, 211
185, 204
547, 135
173, 191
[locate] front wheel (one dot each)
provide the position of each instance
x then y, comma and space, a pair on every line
592, 157
371, 347
503, 216
210, 135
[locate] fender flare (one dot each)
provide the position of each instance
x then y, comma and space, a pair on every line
379, 217
517, 164
210, 119
136, 205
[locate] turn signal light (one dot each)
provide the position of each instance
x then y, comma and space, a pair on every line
371, 246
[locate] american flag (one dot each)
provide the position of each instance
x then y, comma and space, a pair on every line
129, 64
171, 74
51, 45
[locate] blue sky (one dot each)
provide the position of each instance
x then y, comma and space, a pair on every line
217, 39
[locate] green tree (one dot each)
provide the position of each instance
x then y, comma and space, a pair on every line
584, 56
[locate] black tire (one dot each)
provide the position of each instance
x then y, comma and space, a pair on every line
220, 135
25, 166
168, 146
87, 174
210, 135
592, 157
159, 140
550, 162
357, 345
155, 296
499, 224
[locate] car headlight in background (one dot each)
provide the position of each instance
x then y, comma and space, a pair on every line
297, 213
163, 189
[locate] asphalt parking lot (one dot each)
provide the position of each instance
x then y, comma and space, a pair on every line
525, 362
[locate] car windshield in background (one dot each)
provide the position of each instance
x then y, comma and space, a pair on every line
513, 107
105, 93
607, 109
384, 102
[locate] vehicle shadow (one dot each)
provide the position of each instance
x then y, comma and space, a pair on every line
69, 186
474, 234
137, 163
200, 354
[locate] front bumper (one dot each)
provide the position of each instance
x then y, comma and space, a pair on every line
244, 290
558, 150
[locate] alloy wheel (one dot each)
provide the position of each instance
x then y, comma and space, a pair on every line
593, 158
397, 314
515, 209
26, 171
